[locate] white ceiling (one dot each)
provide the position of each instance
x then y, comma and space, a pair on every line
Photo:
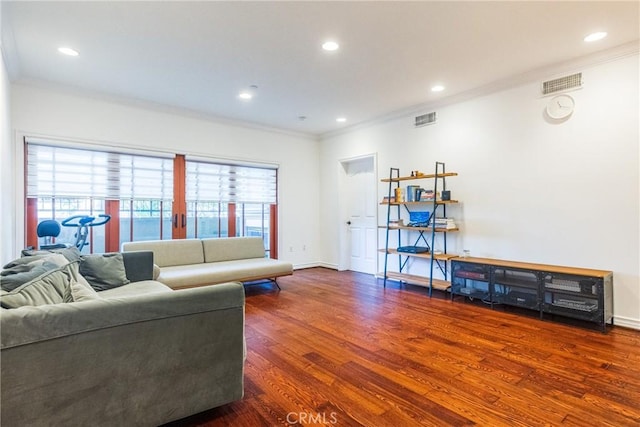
199, 55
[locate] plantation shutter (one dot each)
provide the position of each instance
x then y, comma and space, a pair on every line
64, 172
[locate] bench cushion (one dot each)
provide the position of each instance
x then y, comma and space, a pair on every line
167, 253
227, 249
224, 271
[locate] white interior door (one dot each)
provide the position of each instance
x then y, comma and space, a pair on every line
360, 201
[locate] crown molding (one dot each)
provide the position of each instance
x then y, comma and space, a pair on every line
158, 107
542, 73
8, 50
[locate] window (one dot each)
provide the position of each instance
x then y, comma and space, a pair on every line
207, 219
148, 197
136, 190
253, 219
230, 200
145, 219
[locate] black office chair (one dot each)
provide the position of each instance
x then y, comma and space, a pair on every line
49, 229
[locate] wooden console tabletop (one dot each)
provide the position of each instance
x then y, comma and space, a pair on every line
533, 266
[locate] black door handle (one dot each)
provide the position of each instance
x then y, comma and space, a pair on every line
175, 221
184, 222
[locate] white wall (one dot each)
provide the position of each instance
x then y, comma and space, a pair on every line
7, 170
556, 193
53, 113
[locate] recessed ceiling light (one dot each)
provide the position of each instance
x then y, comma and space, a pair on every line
68, 51
330, 46
437, 88
595, 36
341, 119
248, 93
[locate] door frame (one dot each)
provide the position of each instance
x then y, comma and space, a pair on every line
344, 254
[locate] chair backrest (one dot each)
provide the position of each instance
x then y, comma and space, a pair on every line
48, 228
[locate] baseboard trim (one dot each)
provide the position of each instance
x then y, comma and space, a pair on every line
327, 265
314, 264
626, 322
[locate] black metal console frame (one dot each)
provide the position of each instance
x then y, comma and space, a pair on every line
590, 300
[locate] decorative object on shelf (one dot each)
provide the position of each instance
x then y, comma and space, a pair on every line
419, 219
446, 195
560, 106
399, 196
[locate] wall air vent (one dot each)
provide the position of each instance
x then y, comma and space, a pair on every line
563, 83
425, 119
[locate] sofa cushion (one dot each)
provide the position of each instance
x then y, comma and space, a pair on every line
232, 248
22, 270
170, 252
104, 271
51, 287
142, 287
224, 271
82, 291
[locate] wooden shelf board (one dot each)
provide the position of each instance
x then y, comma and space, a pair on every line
427, 255
429, 202
539, 267
404, 227
425, 176
412, 279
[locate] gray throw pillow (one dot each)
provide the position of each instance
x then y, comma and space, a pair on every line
72, 253
51, 287
104, 271
22, 270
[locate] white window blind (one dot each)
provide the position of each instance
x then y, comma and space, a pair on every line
230, 183
54, 171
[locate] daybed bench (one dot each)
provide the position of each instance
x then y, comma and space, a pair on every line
185, 263
139, 354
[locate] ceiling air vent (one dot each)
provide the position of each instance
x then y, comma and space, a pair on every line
563, 83
425, 119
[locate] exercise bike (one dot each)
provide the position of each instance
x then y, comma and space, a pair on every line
50, 229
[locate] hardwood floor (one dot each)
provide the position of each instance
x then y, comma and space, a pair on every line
336, 348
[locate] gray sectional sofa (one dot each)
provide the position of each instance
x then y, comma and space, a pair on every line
187, 263
140, 354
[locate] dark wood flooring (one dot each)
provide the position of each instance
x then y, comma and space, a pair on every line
336, 348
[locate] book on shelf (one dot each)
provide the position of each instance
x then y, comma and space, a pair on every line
447, 223
427, 196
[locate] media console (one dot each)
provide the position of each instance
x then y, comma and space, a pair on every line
577, 293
